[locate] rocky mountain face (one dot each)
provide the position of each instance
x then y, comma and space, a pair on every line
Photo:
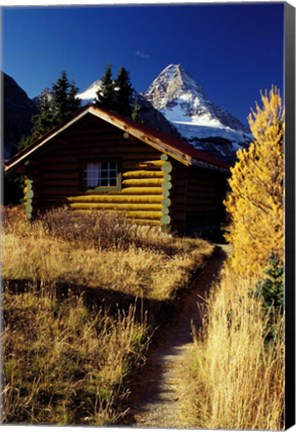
18, 110
198, 120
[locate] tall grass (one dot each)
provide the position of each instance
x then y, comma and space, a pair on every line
65, 365
99, 250
237, 378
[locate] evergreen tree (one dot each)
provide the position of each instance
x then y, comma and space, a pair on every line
271, 291
55, 106
42, 122
65, 100
74, 103
45, 120
105, 95
124, 91
255, 202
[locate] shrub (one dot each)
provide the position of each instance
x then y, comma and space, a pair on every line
99, 229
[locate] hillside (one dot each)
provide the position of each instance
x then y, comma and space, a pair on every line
18, 111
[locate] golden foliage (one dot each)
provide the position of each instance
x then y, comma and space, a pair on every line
255, 202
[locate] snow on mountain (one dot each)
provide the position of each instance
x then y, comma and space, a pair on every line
89, 95
201, 122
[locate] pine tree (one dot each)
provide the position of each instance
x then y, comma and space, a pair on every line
42, 122
65, 98
55, 106
105, 95
45, 120
124, 91
74, 102
255, 202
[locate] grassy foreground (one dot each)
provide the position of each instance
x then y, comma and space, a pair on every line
99, 250
235, 377
63, 363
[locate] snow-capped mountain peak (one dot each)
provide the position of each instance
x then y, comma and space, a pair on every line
89, 95
184, 103
172, 82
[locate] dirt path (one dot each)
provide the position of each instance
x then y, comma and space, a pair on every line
158, 390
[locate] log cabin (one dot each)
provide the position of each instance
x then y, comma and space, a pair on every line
99, 160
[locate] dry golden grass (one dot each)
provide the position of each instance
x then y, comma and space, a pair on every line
237, 379
64, 365
99, 250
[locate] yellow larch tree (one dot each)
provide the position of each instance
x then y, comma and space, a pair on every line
255, 202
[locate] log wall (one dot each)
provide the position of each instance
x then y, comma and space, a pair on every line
59, 174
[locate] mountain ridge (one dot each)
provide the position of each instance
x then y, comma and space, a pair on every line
18, 110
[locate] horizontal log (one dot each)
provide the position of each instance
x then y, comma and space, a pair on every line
75, 158
60, 166
143, 182
116, 206
60, 174
71, 183
144, 214
45, 202
58, 191
142, 174
112, 147
117, 198
153, 163
140, 165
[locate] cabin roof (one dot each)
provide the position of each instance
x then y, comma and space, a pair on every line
174, 147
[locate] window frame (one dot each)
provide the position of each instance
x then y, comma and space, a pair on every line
98, 160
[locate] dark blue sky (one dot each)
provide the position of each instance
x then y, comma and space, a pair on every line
232, 50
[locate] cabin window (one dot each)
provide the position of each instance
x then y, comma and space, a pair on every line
101, 174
